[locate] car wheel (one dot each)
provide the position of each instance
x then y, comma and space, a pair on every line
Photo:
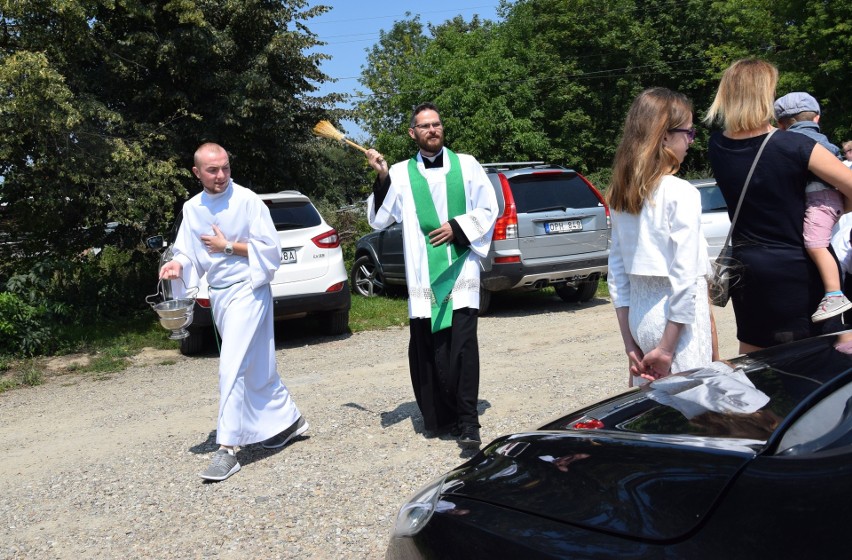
366, 278
194, 343
577, 294
484, 301
336, 322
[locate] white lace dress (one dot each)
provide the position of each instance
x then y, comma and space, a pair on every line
649, 296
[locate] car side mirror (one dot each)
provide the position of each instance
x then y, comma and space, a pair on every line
156, 242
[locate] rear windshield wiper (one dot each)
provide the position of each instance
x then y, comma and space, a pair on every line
547, 209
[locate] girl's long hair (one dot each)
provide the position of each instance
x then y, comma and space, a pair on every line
641, 160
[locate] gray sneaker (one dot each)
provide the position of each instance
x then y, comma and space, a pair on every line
296, 429
223, 465
831, 306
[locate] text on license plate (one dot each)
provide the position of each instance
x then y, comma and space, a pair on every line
562, 227
288, 256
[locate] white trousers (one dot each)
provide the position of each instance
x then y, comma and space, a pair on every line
254, 404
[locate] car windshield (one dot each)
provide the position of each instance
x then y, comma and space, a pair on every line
295, 214
712, 199
541, 192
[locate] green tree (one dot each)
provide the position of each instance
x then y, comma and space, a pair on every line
813, 53
104, 102
554, 79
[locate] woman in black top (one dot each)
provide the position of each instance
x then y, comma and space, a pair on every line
779, 285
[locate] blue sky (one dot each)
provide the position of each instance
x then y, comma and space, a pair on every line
352, 27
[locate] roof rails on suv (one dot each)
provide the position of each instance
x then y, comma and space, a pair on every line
492, 167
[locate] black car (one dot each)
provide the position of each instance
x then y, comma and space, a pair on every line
553, 230
632, 477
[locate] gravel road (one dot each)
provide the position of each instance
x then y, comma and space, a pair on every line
108, 468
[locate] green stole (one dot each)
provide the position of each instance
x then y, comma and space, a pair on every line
444, 264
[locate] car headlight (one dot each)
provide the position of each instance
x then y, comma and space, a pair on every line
417, 511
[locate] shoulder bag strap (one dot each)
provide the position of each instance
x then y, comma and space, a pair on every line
745, 186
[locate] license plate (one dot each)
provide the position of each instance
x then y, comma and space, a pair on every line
563, 227
288, 256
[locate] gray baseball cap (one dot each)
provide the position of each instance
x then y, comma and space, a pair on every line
794, 103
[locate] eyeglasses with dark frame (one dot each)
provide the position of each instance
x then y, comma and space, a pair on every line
690, 132
428, 125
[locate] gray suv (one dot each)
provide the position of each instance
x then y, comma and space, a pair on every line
553, 230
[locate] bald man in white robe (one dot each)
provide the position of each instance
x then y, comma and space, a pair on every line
227, 233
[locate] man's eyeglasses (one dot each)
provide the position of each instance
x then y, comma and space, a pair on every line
690, 132
428, 125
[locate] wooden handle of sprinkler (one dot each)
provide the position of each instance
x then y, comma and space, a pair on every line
354, 145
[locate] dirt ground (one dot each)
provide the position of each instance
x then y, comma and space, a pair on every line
108, 468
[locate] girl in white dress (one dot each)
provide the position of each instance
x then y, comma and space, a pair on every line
658, 261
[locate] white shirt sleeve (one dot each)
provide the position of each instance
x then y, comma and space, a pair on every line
684, 216
391, 209
617, 278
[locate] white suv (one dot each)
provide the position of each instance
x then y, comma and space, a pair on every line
311, 280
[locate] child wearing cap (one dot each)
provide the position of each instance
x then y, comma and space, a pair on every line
799, 112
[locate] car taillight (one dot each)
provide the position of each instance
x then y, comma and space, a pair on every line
327, 240
335, 288
600, 198
506, 226
205, 303
590, 424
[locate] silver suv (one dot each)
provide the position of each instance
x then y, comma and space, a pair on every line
553, 230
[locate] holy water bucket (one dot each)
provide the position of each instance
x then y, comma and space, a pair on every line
175, 314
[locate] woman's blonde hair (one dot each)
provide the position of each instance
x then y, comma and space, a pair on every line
641, 160
744, 100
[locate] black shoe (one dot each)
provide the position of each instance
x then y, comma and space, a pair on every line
296, 429
469, 437
452, 430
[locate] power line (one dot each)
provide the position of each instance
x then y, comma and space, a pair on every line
350, 20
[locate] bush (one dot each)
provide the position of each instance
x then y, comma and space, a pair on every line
24, 329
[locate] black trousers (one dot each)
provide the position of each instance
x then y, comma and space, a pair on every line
444, 370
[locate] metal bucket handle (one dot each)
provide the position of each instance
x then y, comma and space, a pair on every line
190, 292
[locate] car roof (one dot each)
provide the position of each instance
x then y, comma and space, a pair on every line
284, 196
699, 183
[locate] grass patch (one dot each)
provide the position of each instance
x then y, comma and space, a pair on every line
110, 345
369, 314
31, 376
25, 373
121, 338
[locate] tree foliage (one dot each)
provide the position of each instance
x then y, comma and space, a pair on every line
104, 102
554, 78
